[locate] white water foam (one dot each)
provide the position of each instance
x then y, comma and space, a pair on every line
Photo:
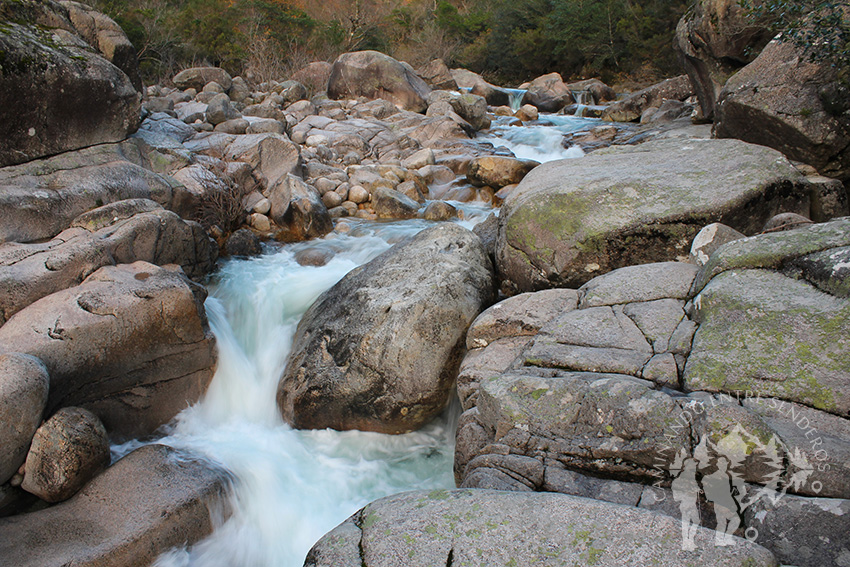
292, 486
542, 141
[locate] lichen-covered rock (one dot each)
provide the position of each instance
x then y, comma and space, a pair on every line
67, 451
82, 98
486, 527
570, 220
23, 396
784, 100
375, 75
148, 502
130, 343
379, 350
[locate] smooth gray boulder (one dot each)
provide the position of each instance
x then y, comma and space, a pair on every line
153, 499
379, 350
197, 78
570, 220
375, 75
130, 343
23, 396
119, 233
67, 451
40, 199
486, 527
82, 98
548, 93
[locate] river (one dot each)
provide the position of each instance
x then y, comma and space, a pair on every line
291, 487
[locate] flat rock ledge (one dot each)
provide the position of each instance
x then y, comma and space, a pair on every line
487, 527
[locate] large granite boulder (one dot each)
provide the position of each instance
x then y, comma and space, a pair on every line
298, 210
715, 39
198, 77
438, 75
23, 395
548, 93
375, 75
570, 220
314, 76
379, 350
485, 527
58, 92
632, 107
150, 501
786, 101
119, 233
40, 199
130, 343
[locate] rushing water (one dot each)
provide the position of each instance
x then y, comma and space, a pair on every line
291, 486
541, 141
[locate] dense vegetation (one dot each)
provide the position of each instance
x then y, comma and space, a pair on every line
507, 40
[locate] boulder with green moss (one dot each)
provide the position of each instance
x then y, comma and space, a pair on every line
571, 220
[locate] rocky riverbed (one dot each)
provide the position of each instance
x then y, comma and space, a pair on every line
646, 326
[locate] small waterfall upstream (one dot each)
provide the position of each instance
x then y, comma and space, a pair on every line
291, 487
515, 97
541, 141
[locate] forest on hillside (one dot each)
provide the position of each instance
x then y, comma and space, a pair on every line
508, 41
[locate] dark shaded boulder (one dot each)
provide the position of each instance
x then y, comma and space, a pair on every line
57, 92
569, 220
631, 107
375, 75
153, 499
67, 451
243, 242
298, 210
487, 527
379, 350
785, 101
715, 39
130, 343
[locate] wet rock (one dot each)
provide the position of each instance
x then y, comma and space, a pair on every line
600, 91
485, 527
153, 499
488, 231
375, 75
122, 232
631, 107
494, 171
439, 211
70, 449
473, 82
130, 343
379, 350
637, 205
243, 242
527, 113
298, 209
390, 204
23, 395
83, 100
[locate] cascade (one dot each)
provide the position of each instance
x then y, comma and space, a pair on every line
515, 97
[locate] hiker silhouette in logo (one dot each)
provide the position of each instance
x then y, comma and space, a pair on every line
686, 492
721, 488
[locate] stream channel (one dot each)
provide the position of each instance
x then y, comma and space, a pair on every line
291, 487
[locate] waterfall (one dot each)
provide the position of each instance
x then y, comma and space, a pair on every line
543, 141
515, 97
292, 486
584, 98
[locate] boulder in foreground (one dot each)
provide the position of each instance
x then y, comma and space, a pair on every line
486, 527
379, 350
